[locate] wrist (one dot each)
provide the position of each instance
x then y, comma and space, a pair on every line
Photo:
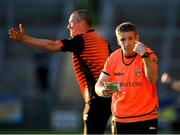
145, 55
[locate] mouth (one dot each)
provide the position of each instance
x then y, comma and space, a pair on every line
128, 50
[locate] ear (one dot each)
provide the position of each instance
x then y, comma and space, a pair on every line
83, 22
118, 41
84, 25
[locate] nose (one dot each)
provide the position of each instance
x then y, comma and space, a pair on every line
68, 27
126, 44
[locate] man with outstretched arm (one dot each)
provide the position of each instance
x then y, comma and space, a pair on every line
89, 51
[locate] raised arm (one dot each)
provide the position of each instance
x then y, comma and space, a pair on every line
21, 36
151, 70
150, 66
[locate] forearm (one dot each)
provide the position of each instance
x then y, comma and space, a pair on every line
42, 44
151, 70
99, 87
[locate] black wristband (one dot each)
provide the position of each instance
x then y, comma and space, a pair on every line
145, 55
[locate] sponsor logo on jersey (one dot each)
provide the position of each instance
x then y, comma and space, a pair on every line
138, 72
118, 73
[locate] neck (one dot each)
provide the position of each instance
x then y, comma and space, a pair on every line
130, 55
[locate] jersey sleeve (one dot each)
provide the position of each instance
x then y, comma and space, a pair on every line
153, 56
75, 44
106, 69
59, 43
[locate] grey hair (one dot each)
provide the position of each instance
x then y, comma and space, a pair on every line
125, 27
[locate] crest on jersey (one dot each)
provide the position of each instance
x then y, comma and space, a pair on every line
138, 72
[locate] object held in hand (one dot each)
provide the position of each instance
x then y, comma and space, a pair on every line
114, 86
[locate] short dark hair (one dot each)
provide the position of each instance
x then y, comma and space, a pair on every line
83, 15
126, 27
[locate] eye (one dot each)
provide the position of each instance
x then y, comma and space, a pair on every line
130, 38
122, 39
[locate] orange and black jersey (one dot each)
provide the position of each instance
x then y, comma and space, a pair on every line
138, 98
93, 50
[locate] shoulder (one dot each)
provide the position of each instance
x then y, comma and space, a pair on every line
93, 34
90, 33
76, 38
116, 53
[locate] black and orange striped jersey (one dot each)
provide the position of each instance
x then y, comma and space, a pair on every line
94, 50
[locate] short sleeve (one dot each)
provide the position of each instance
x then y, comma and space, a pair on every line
106, 68
75, 44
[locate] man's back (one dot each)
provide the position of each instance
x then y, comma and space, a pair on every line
95, 52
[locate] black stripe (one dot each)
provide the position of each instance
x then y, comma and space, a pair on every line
105, 73
155, 108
